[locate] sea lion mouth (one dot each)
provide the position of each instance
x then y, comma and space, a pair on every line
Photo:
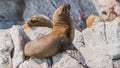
29, 24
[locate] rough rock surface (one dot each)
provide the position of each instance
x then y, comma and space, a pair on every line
11, 12
5, 49
36, 32
102, 44
60, 60
11, 50
19, 39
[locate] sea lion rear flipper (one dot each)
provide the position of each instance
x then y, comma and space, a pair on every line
75, 53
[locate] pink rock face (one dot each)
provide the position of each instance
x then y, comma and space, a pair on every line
108, 9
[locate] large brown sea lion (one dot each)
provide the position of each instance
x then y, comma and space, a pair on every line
60, 39
37, 20
57, 40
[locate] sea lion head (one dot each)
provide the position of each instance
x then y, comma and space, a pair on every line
62, 13
38, 20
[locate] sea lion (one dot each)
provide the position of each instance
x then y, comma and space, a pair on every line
59, 40
91, 20
37, 20
56, 41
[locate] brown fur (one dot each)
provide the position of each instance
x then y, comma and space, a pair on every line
58, 40
91, 20
37, 20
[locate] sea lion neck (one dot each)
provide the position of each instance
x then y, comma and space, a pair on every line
62, 20
25, 26
60, 29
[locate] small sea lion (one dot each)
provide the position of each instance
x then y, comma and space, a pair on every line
91, 20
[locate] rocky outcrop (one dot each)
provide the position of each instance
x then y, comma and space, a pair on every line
19, 39
60, 60
99, 45
5, 49
101, 48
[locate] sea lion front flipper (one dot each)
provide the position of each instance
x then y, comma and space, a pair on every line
75, 53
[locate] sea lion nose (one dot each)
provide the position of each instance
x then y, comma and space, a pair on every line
67, 5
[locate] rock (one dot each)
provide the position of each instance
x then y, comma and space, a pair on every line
11, 50
101, 44
36, 32
11, 11
65, 61
6, 24
19, 39
107, 9
6, 47
60, 60
39, 6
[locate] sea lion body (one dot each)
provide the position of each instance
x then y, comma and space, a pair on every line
37, 20
47, 45
56, 41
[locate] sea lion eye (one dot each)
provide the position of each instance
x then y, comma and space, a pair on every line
33, 20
